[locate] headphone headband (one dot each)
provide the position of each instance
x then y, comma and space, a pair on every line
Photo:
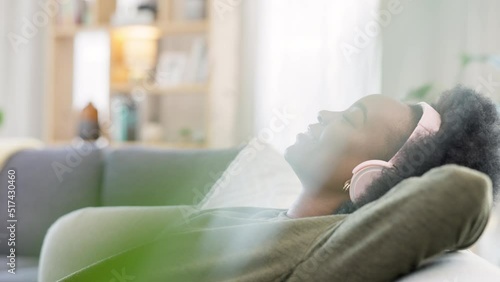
366, 172
428, 124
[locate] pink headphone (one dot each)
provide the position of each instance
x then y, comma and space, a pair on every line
366, 172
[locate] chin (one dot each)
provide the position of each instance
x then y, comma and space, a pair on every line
293, 159
288, 154
294, 155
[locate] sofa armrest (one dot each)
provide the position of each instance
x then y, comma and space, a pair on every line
49, 183
104, 230
463, 266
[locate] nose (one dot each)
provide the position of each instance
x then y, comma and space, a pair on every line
324, 117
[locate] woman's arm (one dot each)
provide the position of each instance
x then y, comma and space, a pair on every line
445, 209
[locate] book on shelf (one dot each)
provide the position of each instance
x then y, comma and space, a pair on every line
181, 63
197, 57
170, 68
75, 12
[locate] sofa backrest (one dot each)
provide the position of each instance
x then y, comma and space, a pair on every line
155, 177
53, 182
49, 183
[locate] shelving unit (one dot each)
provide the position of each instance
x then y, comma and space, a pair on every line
61, 124
165, 28
194, 88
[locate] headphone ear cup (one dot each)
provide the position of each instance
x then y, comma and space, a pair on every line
363, 175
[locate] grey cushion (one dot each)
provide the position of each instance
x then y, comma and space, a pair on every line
26, 270
152, 177
49, 184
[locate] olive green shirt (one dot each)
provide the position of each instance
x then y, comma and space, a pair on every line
446, 209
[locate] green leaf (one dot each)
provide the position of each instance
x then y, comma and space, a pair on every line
185, 132
465, 59
420, 93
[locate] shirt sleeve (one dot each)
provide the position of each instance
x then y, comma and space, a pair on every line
445, 209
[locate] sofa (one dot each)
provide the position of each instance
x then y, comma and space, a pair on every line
67, 199
56, 181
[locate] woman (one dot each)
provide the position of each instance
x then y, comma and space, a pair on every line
376, 127
389, 233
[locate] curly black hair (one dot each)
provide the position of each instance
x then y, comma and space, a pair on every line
469, 136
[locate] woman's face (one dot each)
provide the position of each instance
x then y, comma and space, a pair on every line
324, 156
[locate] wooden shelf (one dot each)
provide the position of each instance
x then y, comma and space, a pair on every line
71, 31
161, 90
166, 28
62, 121
183, 27
177, 145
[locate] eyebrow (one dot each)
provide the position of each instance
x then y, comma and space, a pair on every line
363, 109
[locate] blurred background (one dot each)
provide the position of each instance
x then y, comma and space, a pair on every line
221, 73
216, 73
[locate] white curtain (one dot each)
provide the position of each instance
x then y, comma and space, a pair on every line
22, 69
296, 60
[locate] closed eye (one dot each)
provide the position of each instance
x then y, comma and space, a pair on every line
344, 116
354, 116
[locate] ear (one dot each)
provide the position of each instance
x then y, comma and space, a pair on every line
363, 176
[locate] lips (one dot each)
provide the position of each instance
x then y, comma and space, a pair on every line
308, 135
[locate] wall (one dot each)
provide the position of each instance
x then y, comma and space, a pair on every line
424, 44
